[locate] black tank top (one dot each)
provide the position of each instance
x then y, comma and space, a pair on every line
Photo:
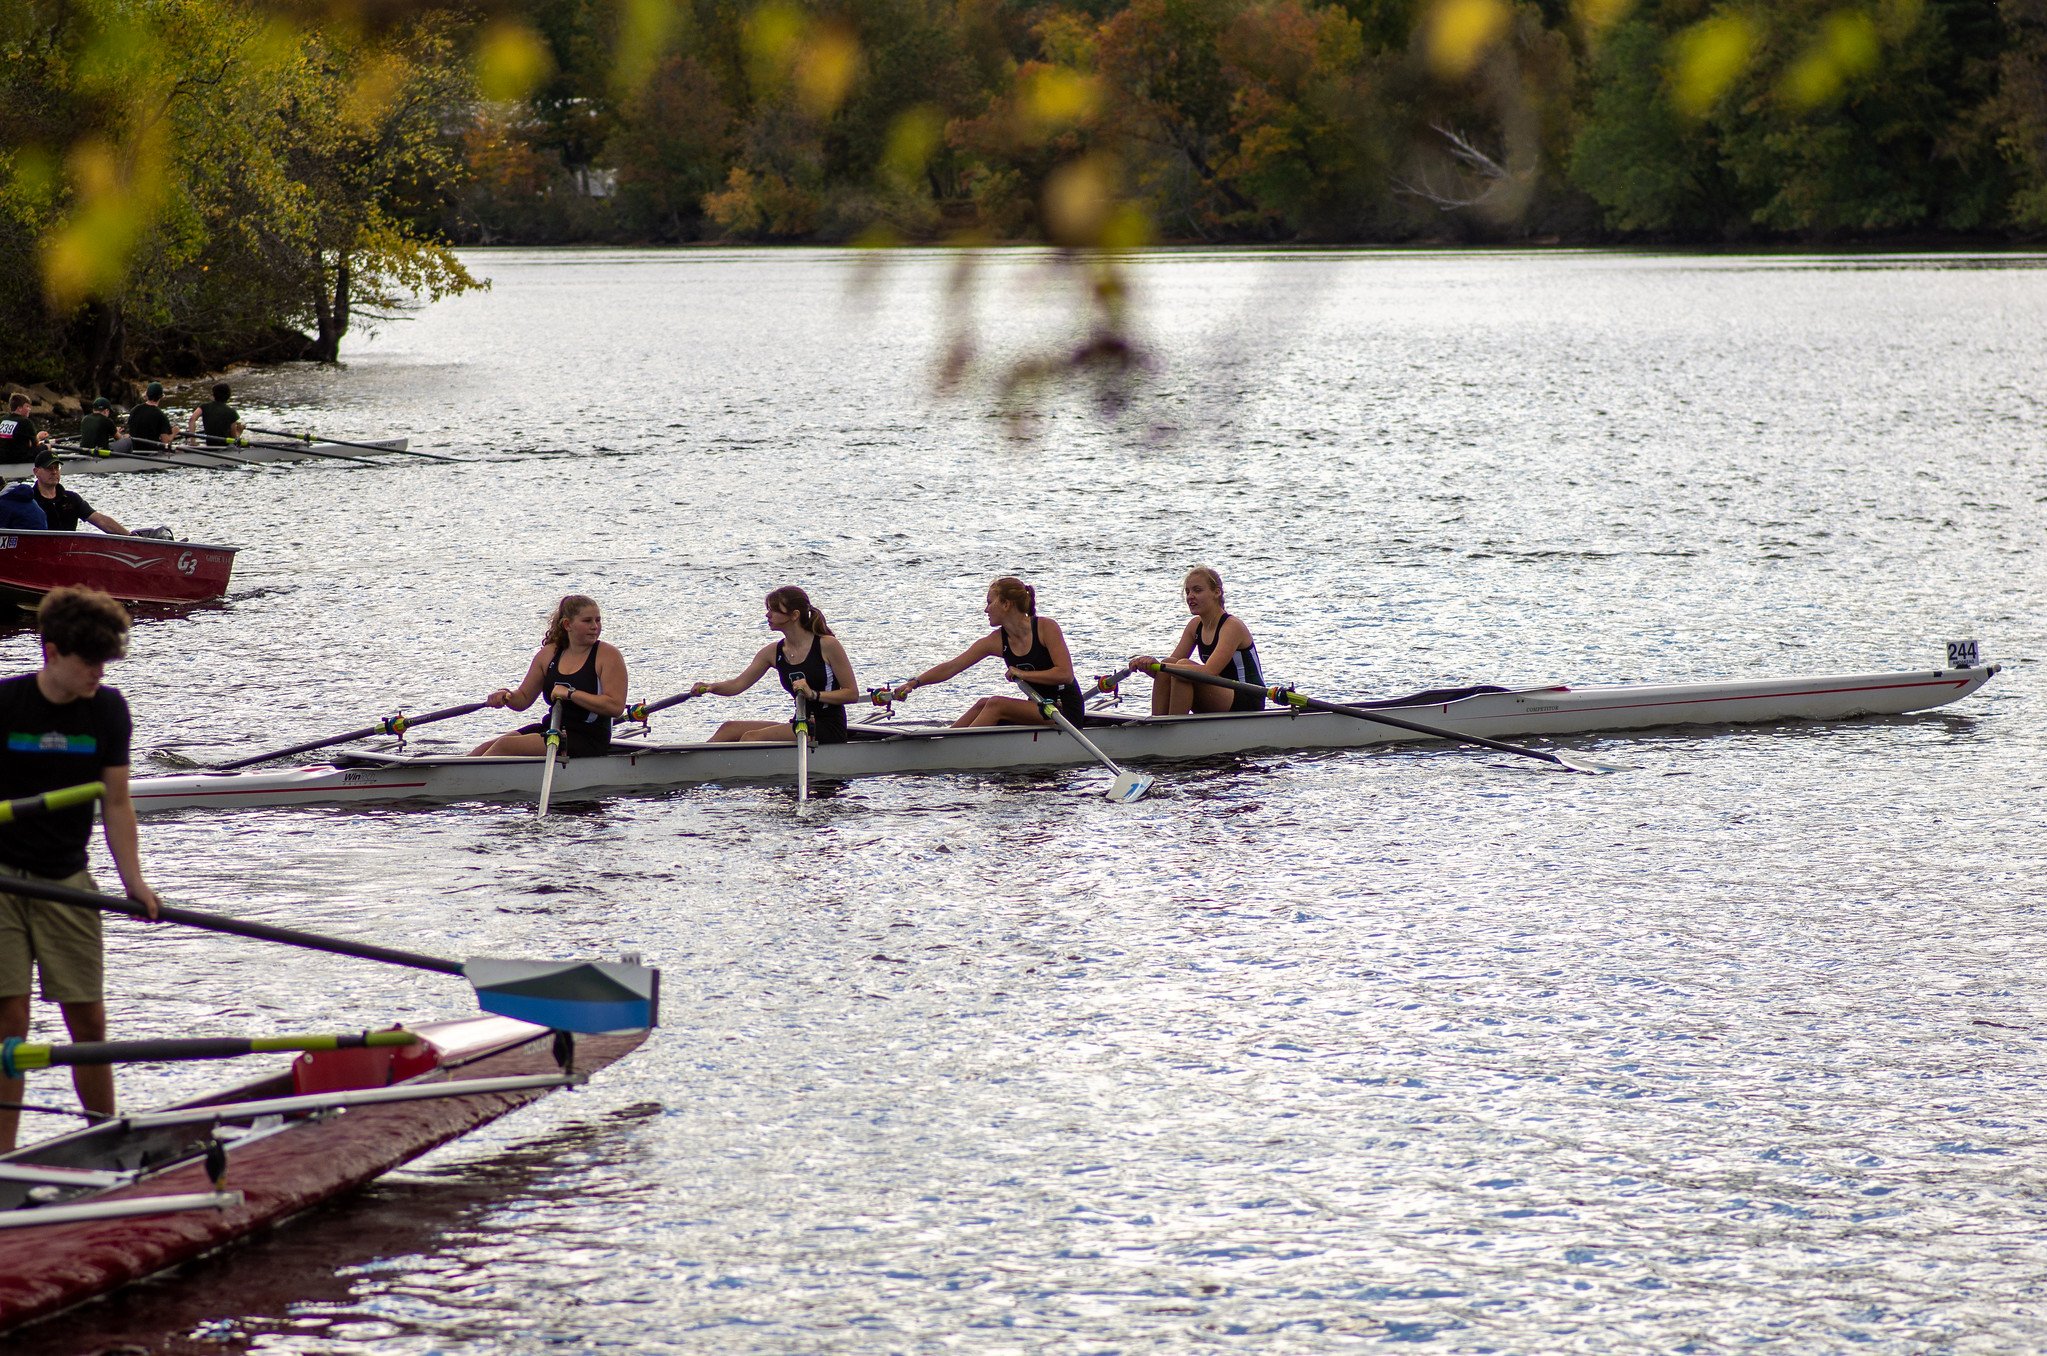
827, 719
1037, 659
1243, 666
584, 732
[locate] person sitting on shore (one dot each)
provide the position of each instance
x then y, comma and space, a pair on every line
64, 509
97, 431
222, 425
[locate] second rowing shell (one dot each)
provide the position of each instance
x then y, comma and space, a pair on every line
885, 749
191, 458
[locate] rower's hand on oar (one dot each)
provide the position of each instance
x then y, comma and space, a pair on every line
699, 689
900, 694
801, 688
561, 693
501, 697
147, 898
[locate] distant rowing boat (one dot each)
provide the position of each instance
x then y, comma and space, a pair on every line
195, 457
87, 1212
133, 569
904, 748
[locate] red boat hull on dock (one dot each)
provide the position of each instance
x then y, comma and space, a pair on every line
133, 569
47, 1269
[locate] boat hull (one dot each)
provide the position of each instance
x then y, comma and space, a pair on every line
133, 569
1530, 712
47, 1269
187, 459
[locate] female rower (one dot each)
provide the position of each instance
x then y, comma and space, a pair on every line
575, 670
1226, 649
812, 664
1032, 649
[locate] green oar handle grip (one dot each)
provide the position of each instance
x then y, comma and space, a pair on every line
18, 1055
65, 798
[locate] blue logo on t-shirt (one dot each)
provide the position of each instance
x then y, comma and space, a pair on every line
20, 741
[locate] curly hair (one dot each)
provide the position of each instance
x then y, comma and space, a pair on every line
83, 623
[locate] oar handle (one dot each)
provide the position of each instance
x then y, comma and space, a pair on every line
49, 890
640, 711
65, 798
1109, 682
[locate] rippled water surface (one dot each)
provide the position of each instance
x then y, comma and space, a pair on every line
1737, 1051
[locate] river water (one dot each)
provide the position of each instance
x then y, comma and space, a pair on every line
1740, 1050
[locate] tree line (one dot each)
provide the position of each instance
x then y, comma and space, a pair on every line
188, 182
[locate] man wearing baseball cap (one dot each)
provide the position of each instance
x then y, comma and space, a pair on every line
65, 509
96, 432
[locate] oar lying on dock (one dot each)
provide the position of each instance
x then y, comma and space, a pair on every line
301, 438
587, 996
18, 1056
1286, 696
67, 798
389, 725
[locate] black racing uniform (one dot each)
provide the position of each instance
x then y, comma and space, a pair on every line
218, 419
96, 430
585, 734
50, 745
17, 437
1243, 667
1038, 658
827, 719
65, 510
149, 426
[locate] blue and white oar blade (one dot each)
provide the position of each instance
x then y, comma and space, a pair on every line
1129, 786
590, 997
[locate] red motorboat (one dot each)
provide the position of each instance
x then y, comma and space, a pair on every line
91, 1211
133, 569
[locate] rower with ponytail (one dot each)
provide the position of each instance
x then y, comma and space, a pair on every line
1033, 651
812, 664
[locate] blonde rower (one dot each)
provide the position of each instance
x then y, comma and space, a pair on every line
812, 665
1225, 648
1032, 648
575, 670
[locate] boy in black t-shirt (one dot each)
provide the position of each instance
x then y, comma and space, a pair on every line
221, 423
59, 727
19, 438
97, 430
149, 428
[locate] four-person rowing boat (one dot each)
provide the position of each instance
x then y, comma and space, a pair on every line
876, 748
194, 455
87, 1212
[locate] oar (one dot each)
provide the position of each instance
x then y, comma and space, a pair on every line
144, 454
1288, 697
585, 996
173, 450
343, 442
640, 711
17, 1056
390, 725
1128, 786
298, 449
1107, 683
553, 746
802, 729
66, 798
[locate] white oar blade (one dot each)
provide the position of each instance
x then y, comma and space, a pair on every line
584, 996
1129, 786
1592, 767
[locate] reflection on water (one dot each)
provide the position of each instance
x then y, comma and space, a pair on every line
1735, 1049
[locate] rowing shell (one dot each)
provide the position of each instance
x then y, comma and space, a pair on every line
876, 749
183, 458
90, 1211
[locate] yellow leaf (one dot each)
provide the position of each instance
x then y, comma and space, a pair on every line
912, 140
1056, 97
1460, 32
1709, 56
1596, 16
1079, 200
825, 69
511, 61
645, 30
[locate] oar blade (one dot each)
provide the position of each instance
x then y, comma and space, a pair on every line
1592, 767
590, 997
1129, 786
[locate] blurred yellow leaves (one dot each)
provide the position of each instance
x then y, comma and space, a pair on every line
1056, 98
1460, 32
1596, 16
645, 30
88, 254
1707, 58
1083, 208
1845, 47
913, 138
816, 59
511, 61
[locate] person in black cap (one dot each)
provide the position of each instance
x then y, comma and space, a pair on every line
223, 425
65, 509
19, 438
149, 427
96, 432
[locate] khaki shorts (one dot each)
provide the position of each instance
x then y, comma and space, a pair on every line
61, 941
